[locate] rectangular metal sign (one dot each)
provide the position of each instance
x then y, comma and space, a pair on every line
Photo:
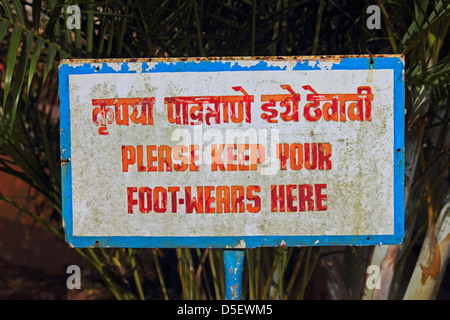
233, 152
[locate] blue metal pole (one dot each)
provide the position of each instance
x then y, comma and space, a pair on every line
234, 266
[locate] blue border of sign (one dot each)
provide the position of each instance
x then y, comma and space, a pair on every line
393, 62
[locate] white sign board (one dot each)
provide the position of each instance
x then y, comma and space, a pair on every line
233, 152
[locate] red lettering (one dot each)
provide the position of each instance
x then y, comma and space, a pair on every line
305, 197
151, 158
131, 201
178, 150
209, 200
351, 111
310, 198
216, 157
242, 157
192, 149
223, 199
256, 207
283, 154
277, 198
307, 112
128, 157
296, 156
290, 198
191, 202
231, 157
164, 158
333, 107
237, 199
320, 197
145, 200
140, 159
310, 156
257, 155
159, 199
324, 156
173, 191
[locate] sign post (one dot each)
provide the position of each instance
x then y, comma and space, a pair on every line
233, 153
234, 263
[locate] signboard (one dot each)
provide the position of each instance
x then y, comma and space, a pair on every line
233, 152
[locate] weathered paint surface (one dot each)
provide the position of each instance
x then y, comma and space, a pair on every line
233, 152
234, 266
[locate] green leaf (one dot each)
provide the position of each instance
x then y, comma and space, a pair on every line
51, 52
122, 31
68, 39
33, 62
20, 74
110, 38
53, 26
422, 25
7, 8
78, 41
102, 36
47, 144
36, 7
19, 11
90, 30
3, 29
11, 60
